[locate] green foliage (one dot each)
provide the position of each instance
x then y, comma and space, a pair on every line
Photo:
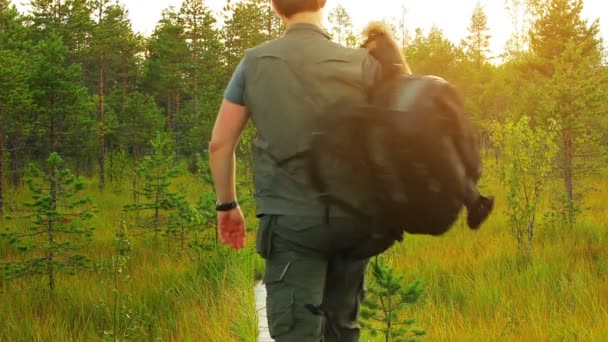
138, 123
54, 61
156, 170
15, 101
434, 54
118, 169
120, 259
206, 76
61, 101
247, 24
527, 156
341, 26
566, 83
58, 227
477, 43
386, 299
186, 220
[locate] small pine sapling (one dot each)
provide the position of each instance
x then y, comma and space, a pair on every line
58, 227
122, 248
157, 170
386, 298
183, 222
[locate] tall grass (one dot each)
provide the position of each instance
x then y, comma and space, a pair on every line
165, 295
478, 288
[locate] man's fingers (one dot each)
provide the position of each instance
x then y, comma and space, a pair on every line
232, 234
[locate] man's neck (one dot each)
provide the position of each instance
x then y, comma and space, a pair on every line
315, 18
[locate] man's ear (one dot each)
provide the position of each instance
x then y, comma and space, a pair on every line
321, 3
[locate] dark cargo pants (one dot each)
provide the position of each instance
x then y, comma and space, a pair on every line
313, 293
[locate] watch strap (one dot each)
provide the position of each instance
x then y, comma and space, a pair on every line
226, 206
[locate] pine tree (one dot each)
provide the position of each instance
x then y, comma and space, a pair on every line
61, 100
111, 40
157, 170
340, 25
520, 15
565, 72
138, 123
243, 29
434, 54
477, 43
206, 75
165, 67
15, 99
59, 227
183, 222
386, 298
100, 38
120, 260
15, 94
69, 19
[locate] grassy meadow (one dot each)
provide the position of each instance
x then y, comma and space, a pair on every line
476, 286
164, 294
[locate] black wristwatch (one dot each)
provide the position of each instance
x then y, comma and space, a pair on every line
226, 206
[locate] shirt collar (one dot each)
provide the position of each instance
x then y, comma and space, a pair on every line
307, 27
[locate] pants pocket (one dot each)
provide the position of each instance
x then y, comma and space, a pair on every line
281, 313
263, 244
280, 302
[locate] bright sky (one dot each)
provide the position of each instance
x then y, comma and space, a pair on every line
452, 16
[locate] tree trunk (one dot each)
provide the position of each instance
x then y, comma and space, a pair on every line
124, 81
157, 205
169, 114
135, 178
101, 122
52, 128
51, 230
1, 173
196, 65
568, 170
14, 167
177, 103
531, 235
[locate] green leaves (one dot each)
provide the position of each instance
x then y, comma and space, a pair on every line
341, 26
528, 155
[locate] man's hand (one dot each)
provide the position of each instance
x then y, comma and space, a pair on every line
231, 225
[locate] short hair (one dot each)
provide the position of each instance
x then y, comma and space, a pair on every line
289, 8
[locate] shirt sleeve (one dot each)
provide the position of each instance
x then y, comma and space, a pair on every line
235, 91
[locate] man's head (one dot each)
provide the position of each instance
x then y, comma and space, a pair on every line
288, 8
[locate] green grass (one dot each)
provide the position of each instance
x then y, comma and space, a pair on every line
477, 287
169, 295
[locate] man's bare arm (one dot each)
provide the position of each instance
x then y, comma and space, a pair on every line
227, 130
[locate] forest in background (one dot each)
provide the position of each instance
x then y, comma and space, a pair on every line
87, 106
78, 81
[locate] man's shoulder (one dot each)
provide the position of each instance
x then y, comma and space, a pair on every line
323, 48
265, 46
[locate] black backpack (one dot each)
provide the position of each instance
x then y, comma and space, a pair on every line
401, 164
